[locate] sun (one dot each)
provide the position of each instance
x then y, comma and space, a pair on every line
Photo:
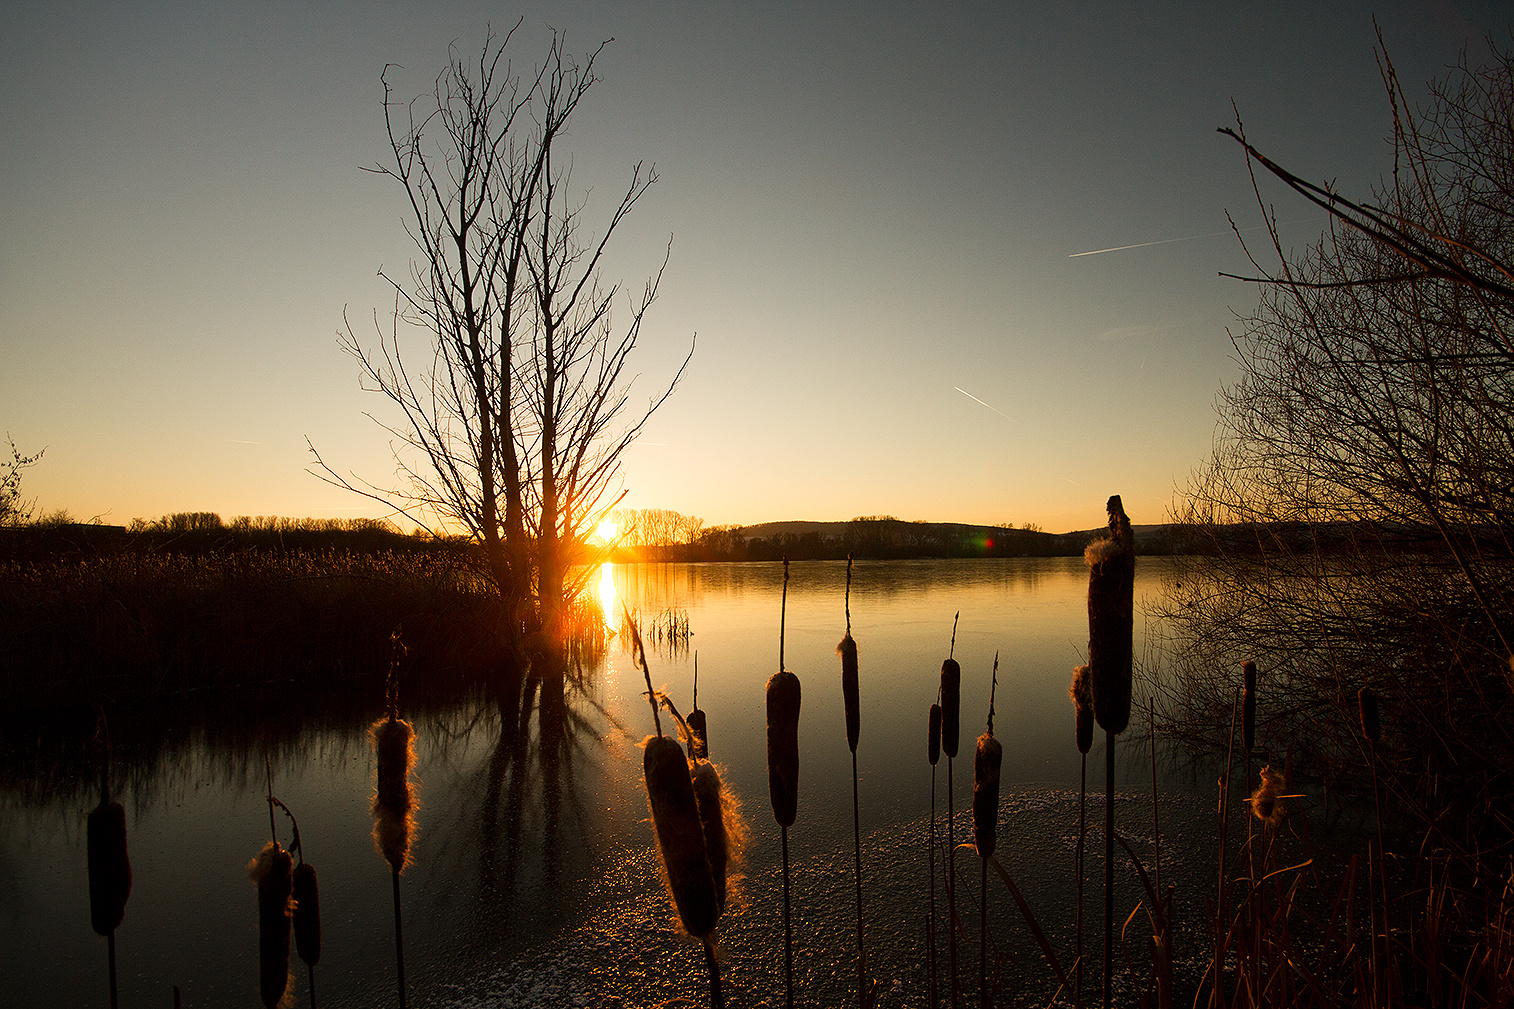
607, 531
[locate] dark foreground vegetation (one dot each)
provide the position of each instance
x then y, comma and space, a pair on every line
98, 615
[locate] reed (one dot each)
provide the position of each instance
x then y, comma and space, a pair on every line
109, 876
307, 918
394, 801
1111, 626
951, 722
933, 752
847, 649
682, 828
272, 871
987, 759
1080, 691
783, 697
1371, 726
699, 735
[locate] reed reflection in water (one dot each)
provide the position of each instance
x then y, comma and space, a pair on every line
534, 876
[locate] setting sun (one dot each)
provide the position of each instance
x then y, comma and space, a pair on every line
607, 531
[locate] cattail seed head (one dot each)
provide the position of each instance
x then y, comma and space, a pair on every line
680, 835
986, 762
1081, 693
272, 871
951, 706
847, 649
721, 844
1111, 621
394, 797
1366, 702
699, 738
109, 866
933, 740
307, 914
783, 745
1265, 801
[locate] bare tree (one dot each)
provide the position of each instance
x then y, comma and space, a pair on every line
1360, 498
14, 509
517, 412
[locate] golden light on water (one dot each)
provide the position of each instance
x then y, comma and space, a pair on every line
607, 594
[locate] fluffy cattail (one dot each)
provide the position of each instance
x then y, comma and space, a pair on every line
933, 740
109, 867
307, 914
1366, 702
394, 798
680, 835
1248, 704
719, 818
1111, 622
272, 872
783, 745
951, 706
1266, 804
847, 649
1081, 693
986, 763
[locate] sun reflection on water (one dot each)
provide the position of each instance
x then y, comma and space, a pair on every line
607, 593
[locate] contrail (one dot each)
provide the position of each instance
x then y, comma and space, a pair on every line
975, 399
1165, 241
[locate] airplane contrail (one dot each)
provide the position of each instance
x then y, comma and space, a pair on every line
1164, 241
975, 399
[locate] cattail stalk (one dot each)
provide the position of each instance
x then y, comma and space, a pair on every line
933, 751
986, 763
1081, 694
272, 871
847, 649
680, 828
1371, 726
699, 739
307, 919
783, 698
109, 876
951, 713
1111, 627
394, 816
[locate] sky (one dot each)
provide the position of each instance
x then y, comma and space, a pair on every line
874, 211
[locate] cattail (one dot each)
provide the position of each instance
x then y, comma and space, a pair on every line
1248, 704
394, 798
1111, 623
699, 739
847, 649
721, 842
1266, 803
933, 739
1081, 693
990, 755
1366, 701
272, 872
951, 706
680, 834
783, 745
109, 867
307, 914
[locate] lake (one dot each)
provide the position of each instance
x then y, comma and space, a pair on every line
535, 880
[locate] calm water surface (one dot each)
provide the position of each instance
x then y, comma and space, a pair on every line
535, 881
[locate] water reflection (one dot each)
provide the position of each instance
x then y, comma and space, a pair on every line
533, 866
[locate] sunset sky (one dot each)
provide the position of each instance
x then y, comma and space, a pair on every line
873, 211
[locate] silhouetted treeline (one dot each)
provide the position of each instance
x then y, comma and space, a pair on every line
888, 538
